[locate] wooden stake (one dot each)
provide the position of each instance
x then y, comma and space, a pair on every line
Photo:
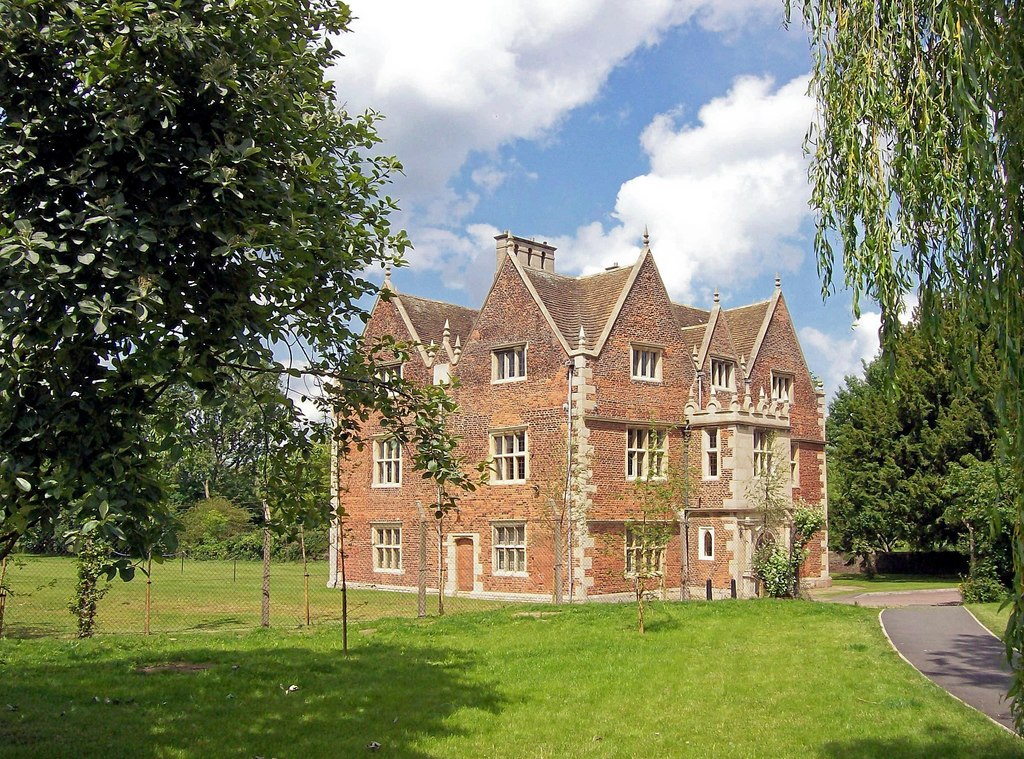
149, 583
305, 570
3, 594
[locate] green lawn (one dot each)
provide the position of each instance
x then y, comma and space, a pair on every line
199, 595
722, 679
992, 616
855, 583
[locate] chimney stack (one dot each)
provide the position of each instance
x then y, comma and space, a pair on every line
530, 253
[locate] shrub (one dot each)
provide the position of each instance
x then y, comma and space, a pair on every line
775, 571
982, 584
210, 522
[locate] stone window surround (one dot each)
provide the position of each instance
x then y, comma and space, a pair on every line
636, 361
783, 383
386, 539
637, 455
702, 533
510, 547
522, 453
712, 452
722, 369
517, 353
387, 463
635, 554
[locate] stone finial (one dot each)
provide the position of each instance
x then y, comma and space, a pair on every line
695, 356
447, 330
778, 281
743, 365
432, 348
762, 401
717, 297
582, 340
458, 349
387, 272
647, 237
713, 404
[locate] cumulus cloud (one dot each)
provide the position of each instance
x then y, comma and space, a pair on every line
846, 355
724, 198
464, 76
843, 355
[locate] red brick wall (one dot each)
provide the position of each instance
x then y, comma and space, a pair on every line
510, 315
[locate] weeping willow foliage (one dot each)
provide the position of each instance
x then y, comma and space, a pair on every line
917, 171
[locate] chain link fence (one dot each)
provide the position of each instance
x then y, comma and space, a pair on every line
182, 594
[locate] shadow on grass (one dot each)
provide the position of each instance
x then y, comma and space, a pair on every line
943, 742
397, 696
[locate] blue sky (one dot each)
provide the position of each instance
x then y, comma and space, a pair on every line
580, 122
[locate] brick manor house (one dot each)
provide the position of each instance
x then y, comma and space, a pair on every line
575, 388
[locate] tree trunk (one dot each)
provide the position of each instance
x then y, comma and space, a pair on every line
440, 567
421, 580
639, 587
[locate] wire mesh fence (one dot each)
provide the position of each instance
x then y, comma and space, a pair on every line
181, 594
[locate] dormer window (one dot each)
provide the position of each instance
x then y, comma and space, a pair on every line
645, 362
508, 363
782, 388
722, 374
387, 374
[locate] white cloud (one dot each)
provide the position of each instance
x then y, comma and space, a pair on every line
846, 355
724, 198
466, 76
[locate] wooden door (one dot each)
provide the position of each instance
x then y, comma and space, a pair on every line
464, 564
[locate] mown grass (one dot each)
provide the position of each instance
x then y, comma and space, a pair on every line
195, 595
992, 616
885, 583
722, 679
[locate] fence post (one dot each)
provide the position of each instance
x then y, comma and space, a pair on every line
265, 605
305, 571
149, 584
421, 600
3, 594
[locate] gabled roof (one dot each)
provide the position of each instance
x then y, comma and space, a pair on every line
428, 318
592, 303
585, 302
745, 325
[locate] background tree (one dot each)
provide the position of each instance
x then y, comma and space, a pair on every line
179, 194
980, 499
894, 435
918, 172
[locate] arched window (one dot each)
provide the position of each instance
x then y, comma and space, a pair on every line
706, 543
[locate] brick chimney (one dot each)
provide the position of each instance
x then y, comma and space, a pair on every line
531, 254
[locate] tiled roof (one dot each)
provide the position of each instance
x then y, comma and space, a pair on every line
688, 316
744, 325
428, 317
694, 336
585, 302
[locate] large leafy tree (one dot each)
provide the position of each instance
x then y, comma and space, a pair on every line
179, 196
894, 435
918, 172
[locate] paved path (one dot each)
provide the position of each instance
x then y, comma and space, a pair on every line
952, 649
936, 597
